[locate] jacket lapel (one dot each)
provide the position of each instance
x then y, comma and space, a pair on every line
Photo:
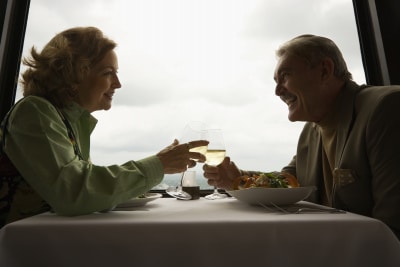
346, 103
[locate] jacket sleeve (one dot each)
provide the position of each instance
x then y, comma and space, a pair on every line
291, 167
38, 144
383, 146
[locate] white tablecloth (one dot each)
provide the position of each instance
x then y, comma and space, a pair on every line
170, 232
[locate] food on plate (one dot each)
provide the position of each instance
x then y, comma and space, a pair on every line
267, 179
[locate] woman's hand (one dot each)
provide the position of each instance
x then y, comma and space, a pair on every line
177, 158
222, 176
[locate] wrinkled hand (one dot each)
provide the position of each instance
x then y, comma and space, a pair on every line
177, 158
222, 176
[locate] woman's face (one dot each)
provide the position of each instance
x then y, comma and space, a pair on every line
96, 91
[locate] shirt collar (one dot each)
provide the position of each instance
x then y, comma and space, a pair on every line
74, 113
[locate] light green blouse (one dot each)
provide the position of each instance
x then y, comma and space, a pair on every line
37, 143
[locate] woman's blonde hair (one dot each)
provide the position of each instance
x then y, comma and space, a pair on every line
315, 48
64, 62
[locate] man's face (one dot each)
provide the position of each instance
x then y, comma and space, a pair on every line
300, 86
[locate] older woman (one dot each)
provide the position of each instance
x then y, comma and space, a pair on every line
48, 132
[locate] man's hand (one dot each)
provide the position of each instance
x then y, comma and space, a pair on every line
222, 176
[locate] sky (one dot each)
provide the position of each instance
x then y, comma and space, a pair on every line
198, 60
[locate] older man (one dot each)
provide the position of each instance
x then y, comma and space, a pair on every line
349, 147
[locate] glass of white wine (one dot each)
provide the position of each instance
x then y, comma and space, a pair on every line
197, 135
194, 130
215, 155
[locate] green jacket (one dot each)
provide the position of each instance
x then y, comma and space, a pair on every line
367, 174
38, 144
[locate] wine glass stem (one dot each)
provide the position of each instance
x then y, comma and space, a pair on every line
181, 183
216, 190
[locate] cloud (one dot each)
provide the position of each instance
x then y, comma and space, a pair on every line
207, 60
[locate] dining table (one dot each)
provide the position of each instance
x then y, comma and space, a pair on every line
206, 233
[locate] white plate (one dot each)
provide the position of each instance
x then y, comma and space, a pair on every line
267, 196
139, 201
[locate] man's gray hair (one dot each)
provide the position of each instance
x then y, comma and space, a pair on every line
314, 49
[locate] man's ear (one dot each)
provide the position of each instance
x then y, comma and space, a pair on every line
327, 68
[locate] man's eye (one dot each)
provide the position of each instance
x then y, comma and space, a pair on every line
283, 76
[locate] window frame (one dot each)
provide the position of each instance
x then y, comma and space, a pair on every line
378, 26
13, 19
380, 56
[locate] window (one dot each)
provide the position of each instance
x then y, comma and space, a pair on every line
206, 60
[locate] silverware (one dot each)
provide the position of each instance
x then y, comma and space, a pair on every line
297, 210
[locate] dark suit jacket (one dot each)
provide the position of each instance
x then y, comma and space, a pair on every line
367, 174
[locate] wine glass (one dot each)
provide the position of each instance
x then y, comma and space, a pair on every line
177, 192
215, 155
194, 130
